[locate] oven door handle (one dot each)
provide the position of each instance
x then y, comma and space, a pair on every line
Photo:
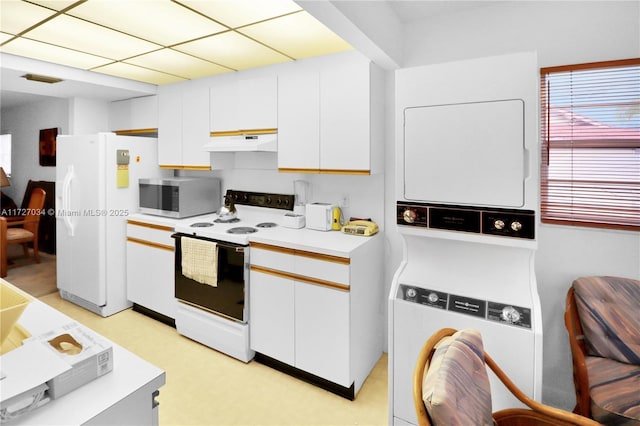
238, 249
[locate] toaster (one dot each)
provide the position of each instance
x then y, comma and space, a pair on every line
319, 216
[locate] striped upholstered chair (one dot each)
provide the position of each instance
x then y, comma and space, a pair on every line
603, 320
451, 387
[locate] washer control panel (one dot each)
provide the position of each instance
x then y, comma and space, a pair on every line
493, 311
479, 220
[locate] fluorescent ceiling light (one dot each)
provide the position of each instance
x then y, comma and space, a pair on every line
134, 72
233, 50
161, 22
236, 13
46, 52
178, 63
42, 78
18, 16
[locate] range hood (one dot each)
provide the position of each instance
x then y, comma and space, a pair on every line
242, 142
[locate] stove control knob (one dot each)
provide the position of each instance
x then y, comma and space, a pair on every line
409, 216
411, 293
498, 224
268, 200
516, 226
286, 202
279, 201
510, 314
432, 297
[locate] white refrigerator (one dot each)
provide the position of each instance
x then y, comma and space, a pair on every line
96, 190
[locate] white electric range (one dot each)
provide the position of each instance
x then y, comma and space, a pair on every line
213, 288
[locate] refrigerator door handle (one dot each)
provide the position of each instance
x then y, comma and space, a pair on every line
66, 200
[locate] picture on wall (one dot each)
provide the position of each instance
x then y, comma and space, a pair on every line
47, 146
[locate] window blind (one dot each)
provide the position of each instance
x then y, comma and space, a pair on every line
590, 131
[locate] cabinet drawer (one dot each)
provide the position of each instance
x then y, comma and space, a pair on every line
273, 258
302, 265
153, 235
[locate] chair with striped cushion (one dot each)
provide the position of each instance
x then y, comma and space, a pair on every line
602, 317
451, 387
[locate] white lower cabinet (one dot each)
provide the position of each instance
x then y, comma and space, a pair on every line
309, 312
150, 267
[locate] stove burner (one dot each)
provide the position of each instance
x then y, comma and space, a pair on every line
201, 224
242, 230
232, 220
266, 225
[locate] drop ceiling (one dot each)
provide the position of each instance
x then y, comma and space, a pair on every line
163, 41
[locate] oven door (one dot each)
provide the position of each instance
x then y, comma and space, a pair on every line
227, 298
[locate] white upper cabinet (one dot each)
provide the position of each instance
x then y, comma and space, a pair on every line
329, 121
134, 116
244, 104
299, 122
183, 111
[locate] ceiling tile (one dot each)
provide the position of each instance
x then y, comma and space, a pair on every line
233, 50
54, 4
86, 37
299, 35
160, 21
4, 37
46, 52
178, 63
235, 13
133, 72
17, 16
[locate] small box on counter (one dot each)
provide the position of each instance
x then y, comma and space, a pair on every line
89, 355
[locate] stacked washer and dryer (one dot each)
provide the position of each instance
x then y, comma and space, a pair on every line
467, 208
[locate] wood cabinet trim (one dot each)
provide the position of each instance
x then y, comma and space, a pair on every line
243, 132
149, 225
325, 171
150, 244
304, 253
303, 278
129, 132
184, 167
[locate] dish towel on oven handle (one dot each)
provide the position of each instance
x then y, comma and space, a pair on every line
200, 260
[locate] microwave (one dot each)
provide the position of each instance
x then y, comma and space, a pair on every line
179, 197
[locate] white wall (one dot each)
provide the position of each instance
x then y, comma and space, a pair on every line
562, 33
24, 123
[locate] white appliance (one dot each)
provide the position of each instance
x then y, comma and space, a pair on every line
218, 316
96, 189
319, 216
467, 201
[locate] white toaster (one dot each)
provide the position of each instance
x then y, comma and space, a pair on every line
319, 216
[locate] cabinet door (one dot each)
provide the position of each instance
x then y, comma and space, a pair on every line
150, 278
134, 114
299, 121
271, 315
223, 106
195, 125
258, 103
170, 125
322, 332
344, 117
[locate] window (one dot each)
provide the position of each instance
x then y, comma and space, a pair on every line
590, 130
5, 153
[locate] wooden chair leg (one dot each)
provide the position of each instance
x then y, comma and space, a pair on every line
25, 249
36, 253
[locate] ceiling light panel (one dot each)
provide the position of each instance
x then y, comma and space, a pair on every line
133, 72
160, 21
90, 38
4, 37
233, 50
178, 63
299, 35
236, 13
17, 16
46, 52
54, 4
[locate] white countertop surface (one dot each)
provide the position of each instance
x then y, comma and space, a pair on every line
333, 243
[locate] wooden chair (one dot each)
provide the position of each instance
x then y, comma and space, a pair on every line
455, 389
601, 317
22, 231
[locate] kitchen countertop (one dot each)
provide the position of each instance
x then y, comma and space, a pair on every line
333, 243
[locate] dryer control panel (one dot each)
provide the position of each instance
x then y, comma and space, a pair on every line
492, 311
